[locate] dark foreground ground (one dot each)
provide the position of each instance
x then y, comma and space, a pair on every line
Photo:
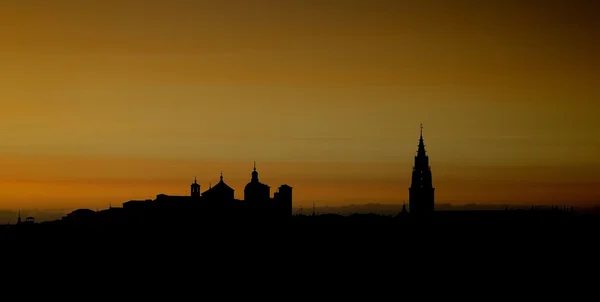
323, 249
469, 222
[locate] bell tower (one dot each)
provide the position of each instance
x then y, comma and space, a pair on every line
195, 189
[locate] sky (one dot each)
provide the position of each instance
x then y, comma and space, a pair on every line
106, 101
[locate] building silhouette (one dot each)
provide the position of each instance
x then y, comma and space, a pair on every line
255, 191
220, 192
28, 220
218, 202
421, 192
283, 199
195, 189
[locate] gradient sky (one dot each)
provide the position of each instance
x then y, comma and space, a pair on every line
105, 101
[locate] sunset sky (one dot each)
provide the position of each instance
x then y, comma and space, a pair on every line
106, 101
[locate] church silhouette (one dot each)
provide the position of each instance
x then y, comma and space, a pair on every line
218, 201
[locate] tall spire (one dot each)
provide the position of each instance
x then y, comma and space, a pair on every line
221, 175
421, 151
254, 165
195, 180
421, 191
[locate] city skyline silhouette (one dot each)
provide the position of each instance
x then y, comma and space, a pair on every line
217, 204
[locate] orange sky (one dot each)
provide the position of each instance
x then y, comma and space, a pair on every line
105, 101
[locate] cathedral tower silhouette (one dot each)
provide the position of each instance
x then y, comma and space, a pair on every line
421, 192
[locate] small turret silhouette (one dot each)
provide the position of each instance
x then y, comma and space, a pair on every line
254, 174
195, 188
